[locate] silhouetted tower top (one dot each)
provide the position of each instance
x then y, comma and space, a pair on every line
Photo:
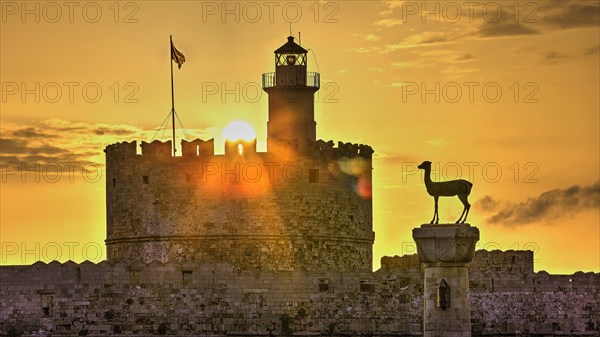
290, 53
291, 91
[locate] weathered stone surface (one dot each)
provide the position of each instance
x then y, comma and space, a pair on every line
219, 300
446, 243
264, 211
446, 251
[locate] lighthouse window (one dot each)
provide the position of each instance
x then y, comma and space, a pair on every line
291, 59
313, 175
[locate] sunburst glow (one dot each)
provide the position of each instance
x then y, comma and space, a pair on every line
237, 130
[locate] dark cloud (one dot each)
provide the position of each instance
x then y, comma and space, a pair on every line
434, 38
591, 50
49, 149
554, 204
486, 204
63, 142
30, 132
576, 15
554, 57
10, 146
20, 146
113, 131
465, 58
504, 27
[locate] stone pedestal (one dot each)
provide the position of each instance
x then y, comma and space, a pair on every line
446, 251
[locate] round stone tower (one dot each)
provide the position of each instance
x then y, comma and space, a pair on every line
303, 205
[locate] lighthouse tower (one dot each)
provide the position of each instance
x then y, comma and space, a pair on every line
291, 90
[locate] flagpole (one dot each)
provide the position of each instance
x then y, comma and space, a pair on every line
172, 94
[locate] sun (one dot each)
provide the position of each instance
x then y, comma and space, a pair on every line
239, 130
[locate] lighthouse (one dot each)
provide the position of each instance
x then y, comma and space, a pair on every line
291, 89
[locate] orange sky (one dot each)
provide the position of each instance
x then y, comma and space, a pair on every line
376, 59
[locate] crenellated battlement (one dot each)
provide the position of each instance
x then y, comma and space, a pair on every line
328, 150
157, 149
123, 150
199, 148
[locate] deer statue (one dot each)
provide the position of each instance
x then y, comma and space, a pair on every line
460, 188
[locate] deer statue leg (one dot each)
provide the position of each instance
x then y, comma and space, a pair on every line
467, 206
436, 217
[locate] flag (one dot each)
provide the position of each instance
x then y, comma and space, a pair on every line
177, 56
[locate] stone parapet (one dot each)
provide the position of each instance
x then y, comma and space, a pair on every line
445, 243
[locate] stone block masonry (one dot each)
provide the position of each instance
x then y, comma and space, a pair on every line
193, 299
203, 299
283, 211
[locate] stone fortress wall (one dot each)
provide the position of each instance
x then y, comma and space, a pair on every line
218, 299
278, 210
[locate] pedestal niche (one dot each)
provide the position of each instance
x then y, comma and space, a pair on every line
446, 251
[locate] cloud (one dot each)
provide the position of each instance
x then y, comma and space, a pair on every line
393, 159
368, 37
389, 7
430, 38
548, 206
554, 57
16, 146
505, 26
486, 204
60, 141
591, 50
387, 23
12, 146
30, 132
575, 16
421, 40
454, 72
398, 84
438, 142
464, 58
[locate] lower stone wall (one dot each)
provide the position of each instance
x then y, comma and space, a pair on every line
190, 299
217, 300
548, 312
259, 253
